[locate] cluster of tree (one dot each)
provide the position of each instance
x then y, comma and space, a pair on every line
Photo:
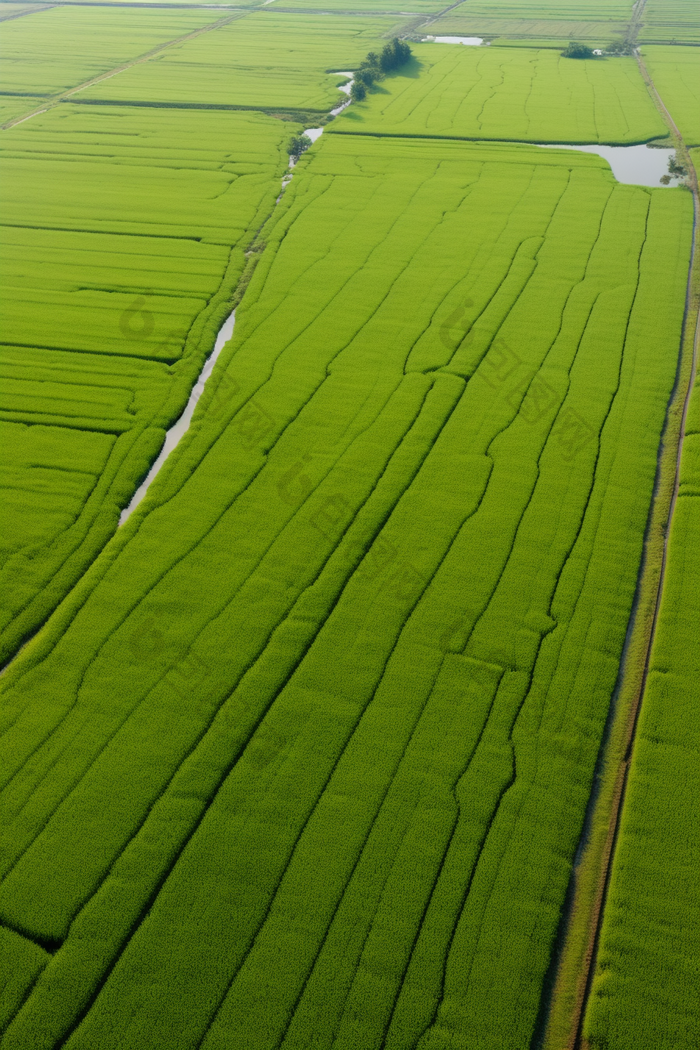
375, 66
676, 168
577, 50
297, 145
619, 47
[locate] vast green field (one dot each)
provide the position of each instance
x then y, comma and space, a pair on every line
507, 93
652, 917
112, 299
440, 346
299, 754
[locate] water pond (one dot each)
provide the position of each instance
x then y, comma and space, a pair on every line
635, 165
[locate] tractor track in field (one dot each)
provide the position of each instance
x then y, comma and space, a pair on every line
55, 100
641, 662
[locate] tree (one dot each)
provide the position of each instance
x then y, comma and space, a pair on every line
394, 55
358, 91
675, 166
366, 75
297, 145
577, 50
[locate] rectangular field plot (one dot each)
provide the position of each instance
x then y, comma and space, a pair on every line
676, 73
558, 32
652, 913
105, 205
668, 21
328, 715
56, 49
509, 93
123, 239
266, 60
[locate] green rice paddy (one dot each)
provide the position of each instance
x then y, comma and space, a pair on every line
299, 755
676, 73
113, 298
265, 60
511, 94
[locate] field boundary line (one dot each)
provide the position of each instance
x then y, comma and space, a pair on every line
62, 96
27, 11
563, 1009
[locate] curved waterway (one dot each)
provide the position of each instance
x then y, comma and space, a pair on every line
176, 431
634, 165
468, 41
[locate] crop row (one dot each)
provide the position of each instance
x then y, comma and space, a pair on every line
124, 235
676, 74
320, 725
670, 21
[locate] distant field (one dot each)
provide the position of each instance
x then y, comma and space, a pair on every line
676, 73
262, 60
123, 238
571, 10
515, 94
323, 723
410, 7
671, 20
652, 916
466, 24
56, 49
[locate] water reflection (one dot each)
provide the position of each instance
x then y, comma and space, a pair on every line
469, 41
178, 428
635, 165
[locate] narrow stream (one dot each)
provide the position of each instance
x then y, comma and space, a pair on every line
178, 428
468, 41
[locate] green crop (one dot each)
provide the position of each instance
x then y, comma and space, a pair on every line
670, 21
676, 73
303, 760
265, 60
648, 959
123, 239
56, 49
513, 94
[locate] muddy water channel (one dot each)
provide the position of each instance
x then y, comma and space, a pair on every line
636, 165
178, 428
